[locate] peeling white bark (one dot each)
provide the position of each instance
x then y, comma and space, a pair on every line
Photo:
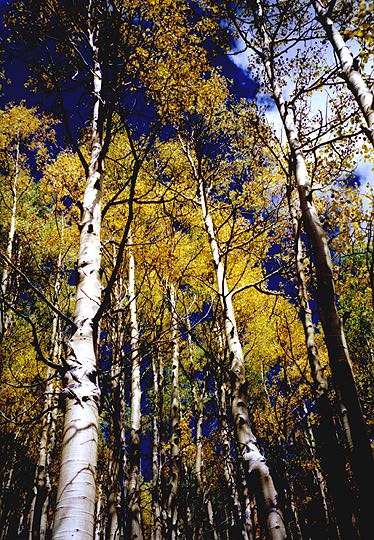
4, 314
343, 378
253, 461
172, 503
133, 489
75, 506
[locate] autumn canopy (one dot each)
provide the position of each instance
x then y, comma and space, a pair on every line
186, 270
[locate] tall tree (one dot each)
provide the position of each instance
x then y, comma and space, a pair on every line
25, 135
133, 490
349, 66
172, 502
253, 461
343, 378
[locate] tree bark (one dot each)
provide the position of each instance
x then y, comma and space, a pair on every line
114, 525
198, 412
343, 378
332, 455
172, 503
158, 382
75, 505
98, 520
117, 455
42, 485
244, 524
253, 462
4, 313
355, 82
133, 482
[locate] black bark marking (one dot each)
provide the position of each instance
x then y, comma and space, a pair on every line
92, 376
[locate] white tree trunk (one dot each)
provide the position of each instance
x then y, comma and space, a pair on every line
355, 82
333, 460
133, 488
209, 509
42, 484
158, 382
253, 462
117, 456
113, 486
117, 436
75, 505
343, 378
4, 314
172, 503
237, 514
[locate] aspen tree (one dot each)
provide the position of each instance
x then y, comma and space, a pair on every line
117, 454
343, 378
350, 72
42, 488
332, 455
203, 498
172, 502
4, 320
158, 383
253, 461
134, 525
24, 133
75, 505
238, 510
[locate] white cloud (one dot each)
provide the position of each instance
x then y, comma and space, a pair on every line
239, 55
365, 173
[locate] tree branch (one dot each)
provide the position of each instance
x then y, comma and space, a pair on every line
38, 292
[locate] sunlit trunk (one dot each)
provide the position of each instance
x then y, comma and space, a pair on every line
254, 463
172, 503
76, 495
4, 313
133, 482
343, 379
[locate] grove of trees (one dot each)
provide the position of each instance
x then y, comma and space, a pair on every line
187, 270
